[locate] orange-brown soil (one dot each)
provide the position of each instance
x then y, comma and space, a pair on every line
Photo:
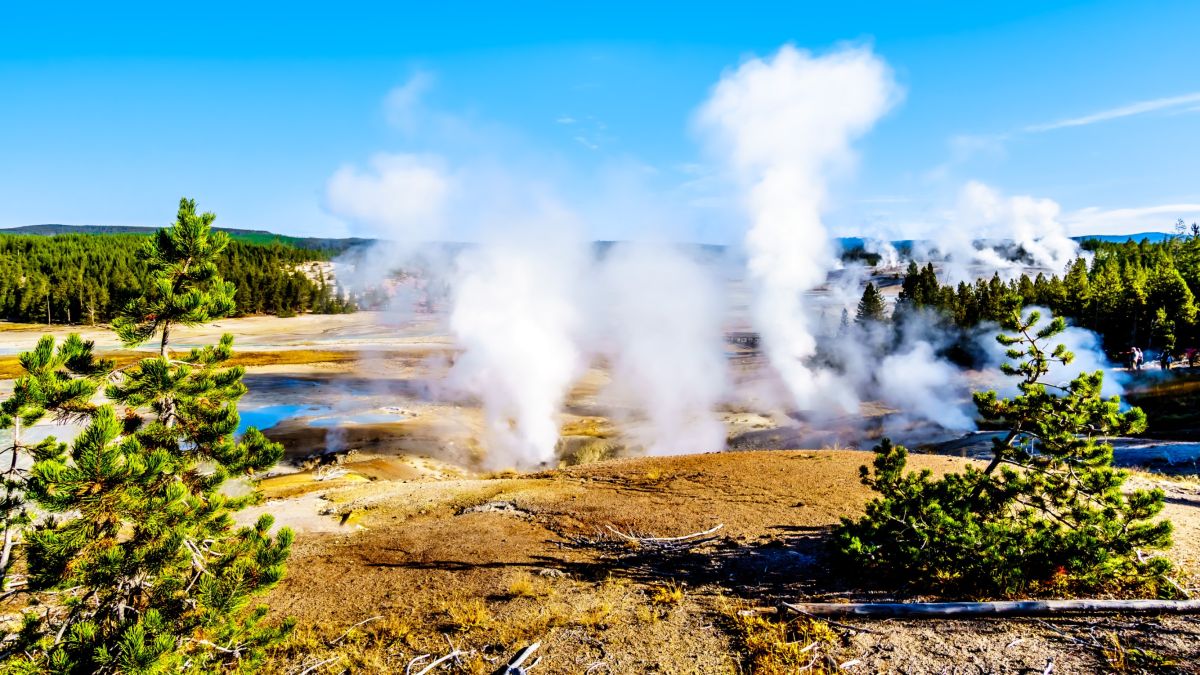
492, 564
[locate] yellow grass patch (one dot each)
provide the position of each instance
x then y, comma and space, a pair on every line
775, 646
296, 484
524, 586
10, 365
596, 427
468, 615
291, 357
10, 326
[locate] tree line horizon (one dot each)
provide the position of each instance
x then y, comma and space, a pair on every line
1130, 294
78, 279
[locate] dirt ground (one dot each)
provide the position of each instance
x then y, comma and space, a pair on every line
531, 558
407, 547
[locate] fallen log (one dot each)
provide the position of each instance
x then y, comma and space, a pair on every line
956, 610
516, 665
624, 543
663, 540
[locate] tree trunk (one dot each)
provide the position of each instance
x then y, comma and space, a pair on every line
10, 530
169, 409
997, 458
166, 337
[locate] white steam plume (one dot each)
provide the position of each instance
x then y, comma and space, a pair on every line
1030, 222
889, 257
516, 318
918, 382
783, 124
984, 217
402, 200
665, 344
900, 366
1083, 343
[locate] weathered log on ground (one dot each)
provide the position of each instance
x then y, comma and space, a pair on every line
956, 610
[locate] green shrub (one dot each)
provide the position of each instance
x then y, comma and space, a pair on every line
1047, 516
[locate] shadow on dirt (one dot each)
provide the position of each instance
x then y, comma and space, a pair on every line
791, 565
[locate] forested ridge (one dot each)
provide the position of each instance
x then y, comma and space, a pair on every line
324, 244
1130, 293
87, 278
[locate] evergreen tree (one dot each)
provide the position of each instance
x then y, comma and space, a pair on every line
1167, 290
1048, 515
1162, 331
184, 285
870, 306
1106, 299
1078, 290
140, 568
909, 288
58, 381
919, 289
1133, 302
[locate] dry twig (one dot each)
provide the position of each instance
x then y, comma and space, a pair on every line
364, 621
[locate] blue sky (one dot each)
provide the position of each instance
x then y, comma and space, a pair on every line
110, 115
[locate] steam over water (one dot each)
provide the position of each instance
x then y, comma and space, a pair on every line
534, 306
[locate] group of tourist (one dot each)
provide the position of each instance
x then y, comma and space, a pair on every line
1166, 359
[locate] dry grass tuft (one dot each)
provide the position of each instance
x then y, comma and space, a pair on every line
567, 616
379, 646
29, 327
576, 450
525, 586
668, 594
597, 615
771, 646
467, 616
656, 478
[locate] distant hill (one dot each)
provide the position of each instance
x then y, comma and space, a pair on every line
338, 245
849, 243
335, 246
1152, 237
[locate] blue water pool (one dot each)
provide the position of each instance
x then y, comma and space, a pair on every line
268, 416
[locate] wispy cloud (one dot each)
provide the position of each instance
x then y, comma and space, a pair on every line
964, 147
587, 131
1138, 108
1159, 217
